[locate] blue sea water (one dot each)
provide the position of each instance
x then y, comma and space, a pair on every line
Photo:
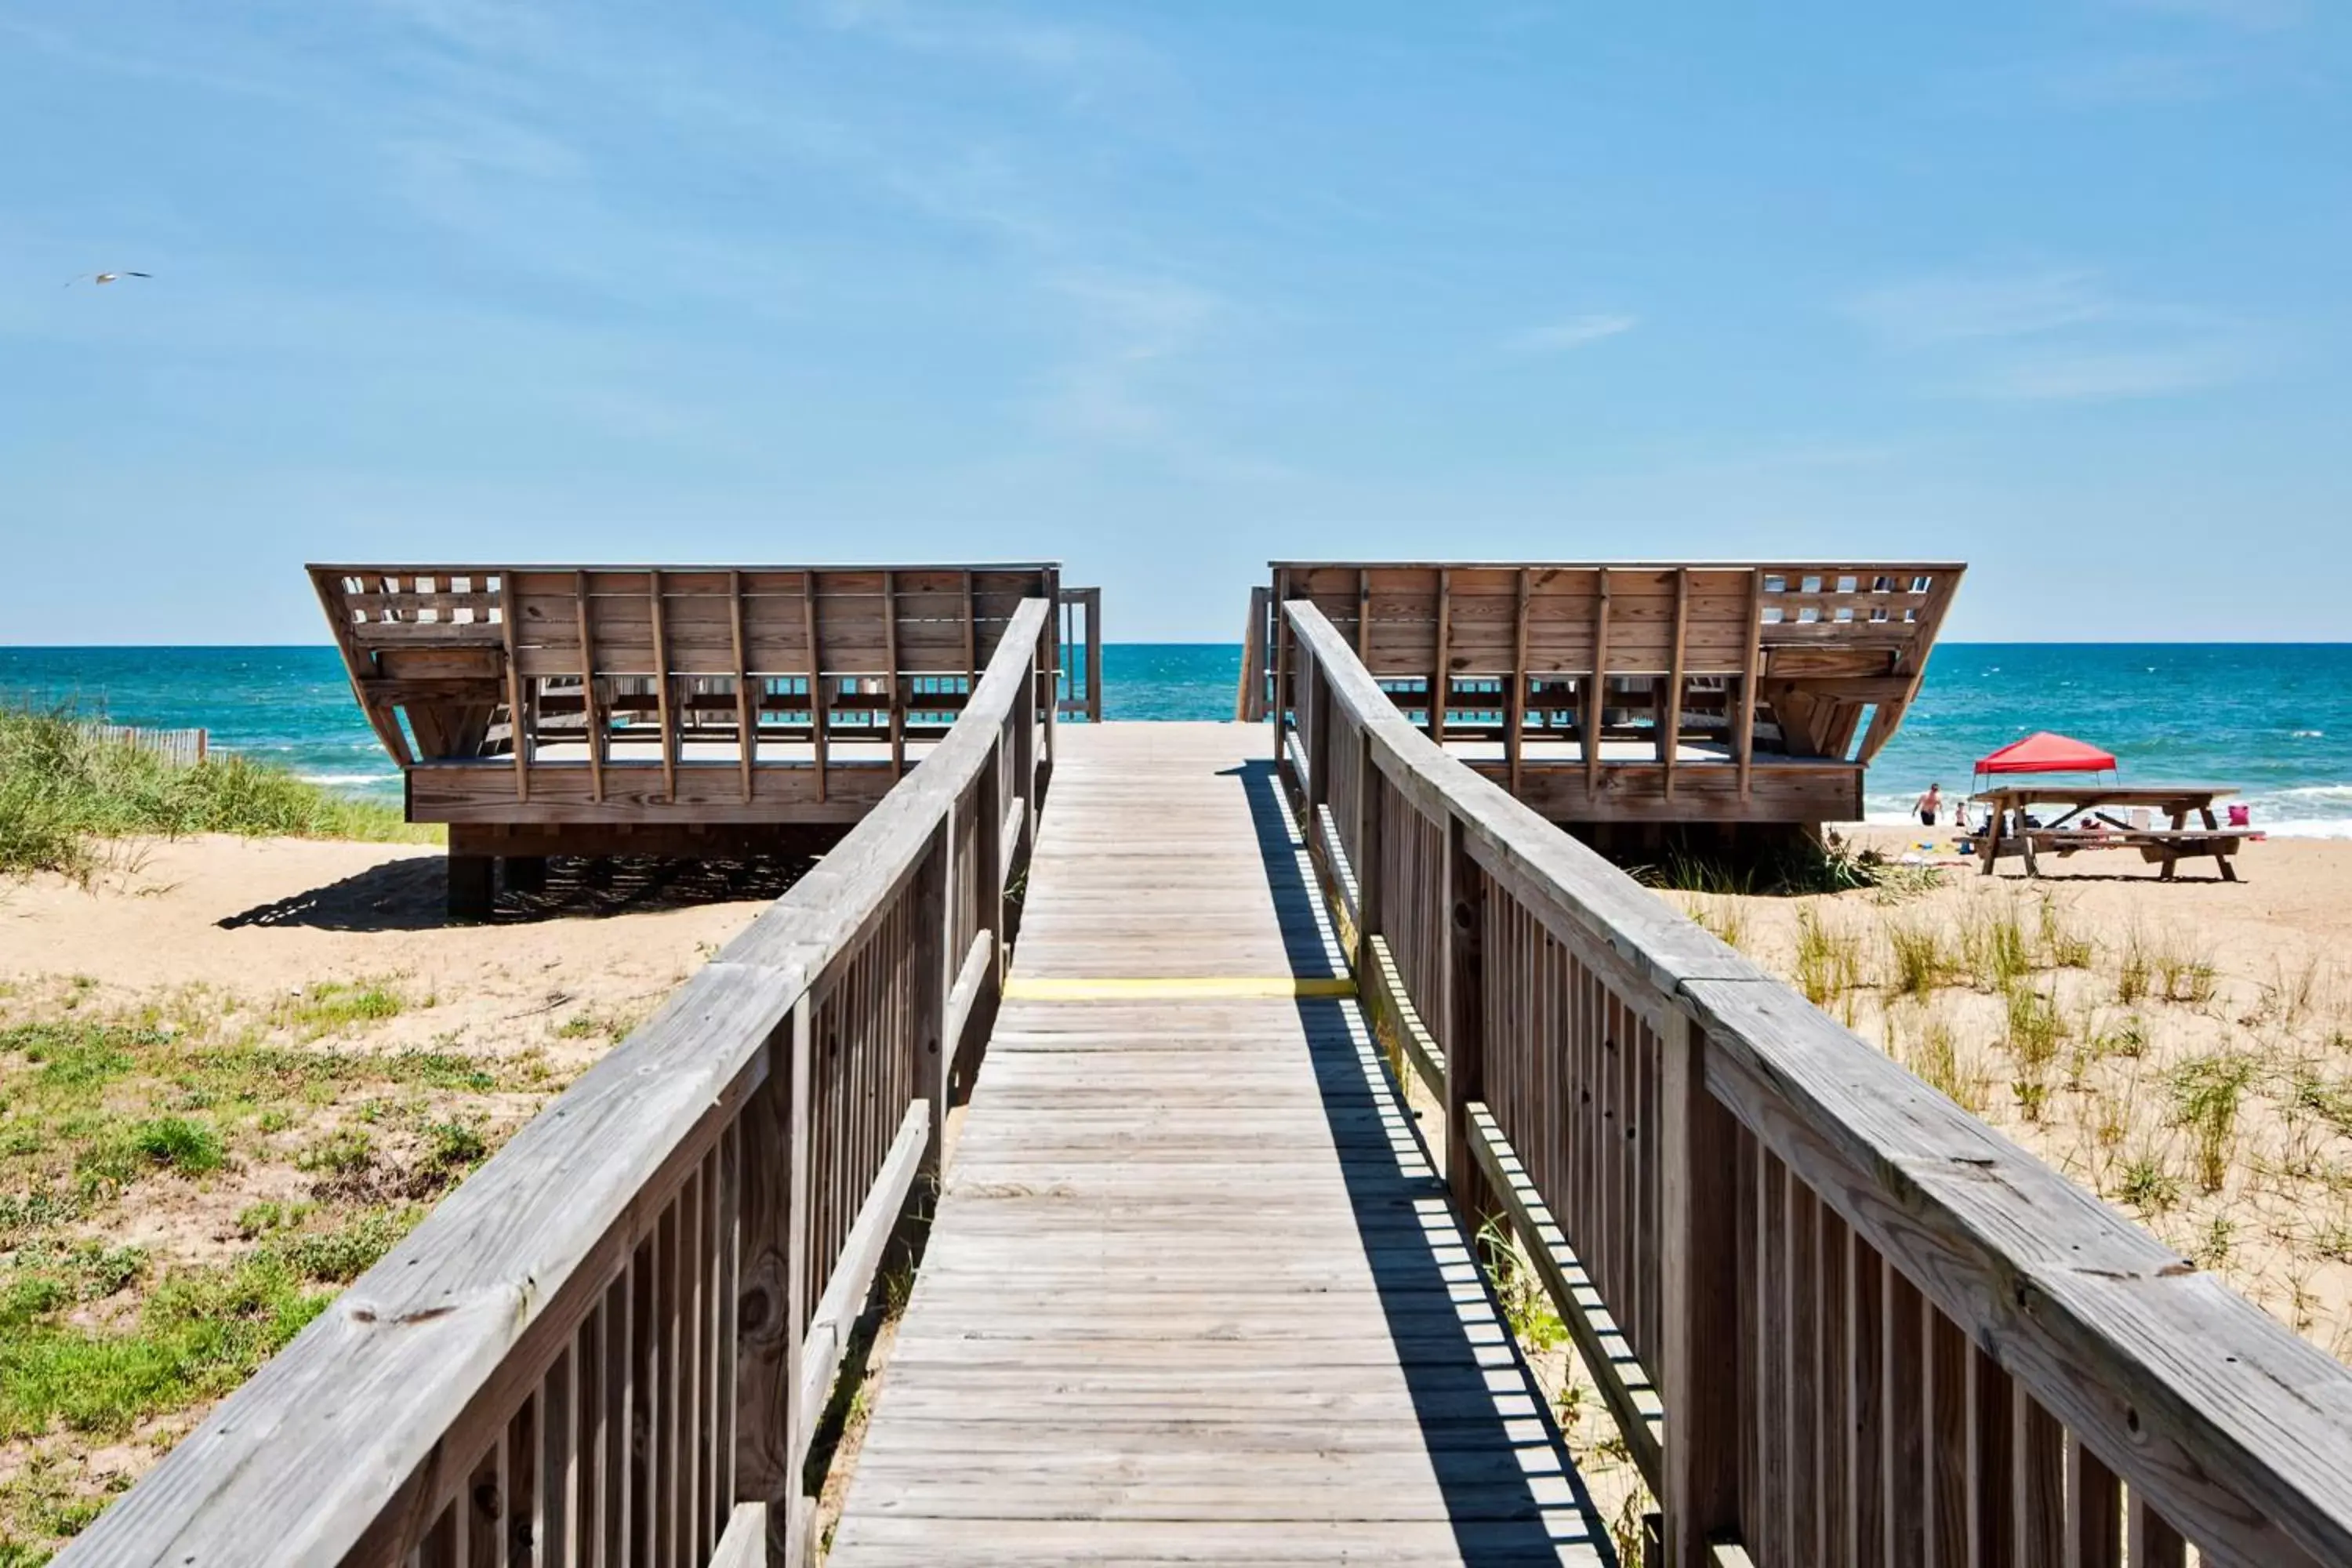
2273, 720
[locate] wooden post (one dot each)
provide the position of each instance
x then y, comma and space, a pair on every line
1319, 748
589, 719
1281, 660
771, 1305
1364, 617
1046, 672
990, 850
816, 697
662, 714
1464, 938
1024, 767
935, 964
1094, 656
970, 640
1515, 711
1670, 730
518, 724
1372, 790
1249, 702
1743, 739
890, 676
800, 1423
1700, 1285
1439, 680
747, 722
1596, 696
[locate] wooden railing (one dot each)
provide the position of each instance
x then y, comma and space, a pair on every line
610, 1343
1839, 1320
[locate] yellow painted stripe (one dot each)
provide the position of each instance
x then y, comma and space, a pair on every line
1213, 987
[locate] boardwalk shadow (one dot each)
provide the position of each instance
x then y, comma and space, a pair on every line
408, 893
1307, 938
1511, 1495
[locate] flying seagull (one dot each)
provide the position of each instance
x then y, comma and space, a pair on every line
103, 276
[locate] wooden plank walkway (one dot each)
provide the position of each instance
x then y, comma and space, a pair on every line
1195, 1293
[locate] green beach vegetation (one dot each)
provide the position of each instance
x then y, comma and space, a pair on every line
186, 1179
64, 791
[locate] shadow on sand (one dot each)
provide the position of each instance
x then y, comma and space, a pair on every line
408, 894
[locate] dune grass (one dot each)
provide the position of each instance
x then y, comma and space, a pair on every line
64, 791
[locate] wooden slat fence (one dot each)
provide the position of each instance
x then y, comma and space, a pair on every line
609, 1345
181, 748
1840, 1319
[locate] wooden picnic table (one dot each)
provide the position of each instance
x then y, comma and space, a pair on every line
2086, 821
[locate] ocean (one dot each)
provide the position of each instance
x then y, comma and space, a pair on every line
2275, 720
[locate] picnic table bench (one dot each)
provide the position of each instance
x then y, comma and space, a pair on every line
2086, 821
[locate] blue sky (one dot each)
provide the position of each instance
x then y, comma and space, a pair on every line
2057, 288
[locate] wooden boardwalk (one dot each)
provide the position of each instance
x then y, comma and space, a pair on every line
1195, 1293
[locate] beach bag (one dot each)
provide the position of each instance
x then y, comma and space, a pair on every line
2241, 817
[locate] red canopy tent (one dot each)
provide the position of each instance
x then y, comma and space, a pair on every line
2044, 752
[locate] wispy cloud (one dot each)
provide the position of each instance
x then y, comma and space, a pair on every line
1575, 333
2255, 16
2053, 334
2122, 81
2070, 376
1956, 306
1085, 58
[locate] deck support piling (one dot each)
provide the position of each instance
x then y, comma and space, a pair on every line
473, 893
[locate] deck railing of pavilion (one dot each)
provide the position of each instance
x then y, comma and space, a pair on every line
610, 1344
1839, 1320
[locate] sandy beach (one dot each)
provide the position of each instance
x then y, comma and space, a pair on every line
263, 918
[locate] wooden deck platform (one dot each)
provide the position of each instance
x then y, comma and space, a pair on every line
1195, 1292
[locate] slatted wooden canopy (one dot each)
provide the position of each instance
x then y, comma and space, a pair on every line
593, 709
1642, 691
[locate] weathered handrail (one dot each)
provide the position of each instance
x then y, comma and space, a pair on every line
1881, 1333
620, 1331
